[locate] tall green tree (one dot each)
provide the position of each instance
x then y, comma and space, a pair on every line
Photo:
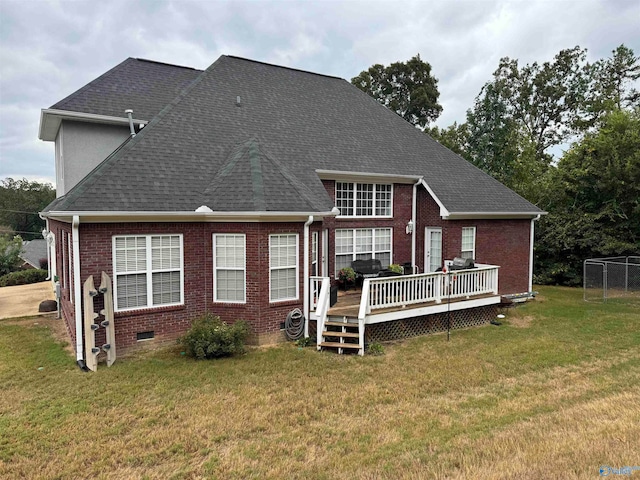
455, 137
407, 88
20, 202
594, 207
612, 85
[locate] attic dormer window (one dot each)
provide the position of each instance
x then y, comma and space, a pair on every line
363, 199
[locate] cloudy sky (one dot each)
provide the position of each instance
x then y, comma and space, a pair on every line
49, 49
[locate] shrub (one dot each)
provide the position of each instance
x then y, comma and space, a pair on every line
210, 337
375, 348
23, 277
394, 267
347, 274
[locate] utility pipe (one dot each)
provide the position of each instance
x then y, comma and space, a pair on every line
305, 275
75, 239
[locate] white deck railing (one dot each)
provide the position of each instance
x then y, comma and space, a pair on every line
388, 292
321, 306
315, 284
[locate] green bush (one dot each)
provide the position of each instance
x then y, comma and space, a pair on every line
394, 267
375, 348
23, 277
210, 337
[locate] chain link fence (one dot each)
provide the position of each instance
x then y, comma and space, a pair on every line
612, 279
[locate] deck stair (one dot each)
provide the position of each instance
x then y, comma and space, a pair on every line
343, 334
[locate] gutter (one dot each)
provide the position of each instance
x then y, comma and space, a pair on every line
201, 216
75, 235
305, 275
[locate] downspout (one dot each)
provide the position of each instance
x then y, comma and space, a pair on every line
75, 239
414, 210
531, 253
305, 274
132, 129
47, 238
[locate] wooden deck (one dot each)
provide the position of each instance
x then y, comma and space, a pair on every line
348, 304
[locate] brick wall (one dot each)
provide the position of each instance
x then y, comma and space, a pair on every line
401, 248
498, 242
168, 323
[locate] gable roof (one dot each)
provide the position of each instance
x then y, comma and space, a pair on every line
33, 251
287, 125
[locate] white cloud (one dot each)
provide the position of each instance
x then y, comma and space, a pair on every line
48, 49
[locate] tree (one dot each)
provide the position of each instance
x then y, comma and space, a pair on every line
594, 201
612, 85
455, 137
20, 202
407, 88
10, 249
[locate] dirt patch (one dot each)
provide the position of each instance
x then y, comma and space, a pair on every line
523, 321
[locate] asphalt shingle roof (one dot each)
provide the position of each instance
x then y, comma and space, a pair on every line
205, 148
144, 86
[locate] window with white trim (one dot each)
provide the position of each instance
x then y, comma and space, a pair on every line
364, 199
229, 265
362, 244
148, 271
314, 254
468, 249
283, 267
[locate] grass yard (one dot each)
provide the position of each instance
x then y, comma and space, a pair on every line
552, 393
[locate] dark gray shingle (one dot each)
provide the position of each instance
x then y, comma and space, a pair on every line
300, 122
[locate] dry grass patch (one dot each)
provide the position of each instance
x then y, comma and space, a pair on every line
548, 401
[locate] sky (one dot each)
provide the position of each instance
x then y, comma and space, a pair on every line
49, 49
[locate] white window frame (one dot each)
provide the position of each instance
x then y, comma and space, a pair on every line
63, 252
314, 254
353, 190
286, 267
216, 268
473, 249
148, 271
354, 253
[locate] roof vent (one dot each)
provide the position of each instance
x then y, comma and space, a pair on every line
238, 101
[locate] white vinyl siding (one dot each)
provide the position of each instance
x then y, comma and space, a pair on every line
229, 260
148, 271
283, 267
362, 244
468, 249
364, 199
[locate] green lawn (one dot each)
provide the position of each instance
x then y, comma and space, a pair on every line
552, 393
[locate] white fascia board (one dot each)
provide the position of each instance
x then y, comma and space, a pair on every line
492, 215
443, 210
130, 217
343, 175
50, 120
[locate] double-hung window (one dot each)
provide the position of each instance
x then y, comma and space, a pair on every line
283, 267
229, 264
148, 271
363, 199
362, 244
468, 249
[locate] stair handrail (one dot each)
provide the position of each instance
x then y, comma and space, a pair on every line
322, 309
364, 299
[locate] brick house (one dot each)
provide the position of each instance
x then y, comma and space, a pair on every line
243, 189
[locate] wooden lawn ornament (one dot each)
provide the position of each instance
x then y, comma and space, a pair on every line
106, 290
91, 356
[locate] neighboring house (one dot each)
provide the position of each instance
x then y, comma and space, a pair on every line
34, 253
249, 187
